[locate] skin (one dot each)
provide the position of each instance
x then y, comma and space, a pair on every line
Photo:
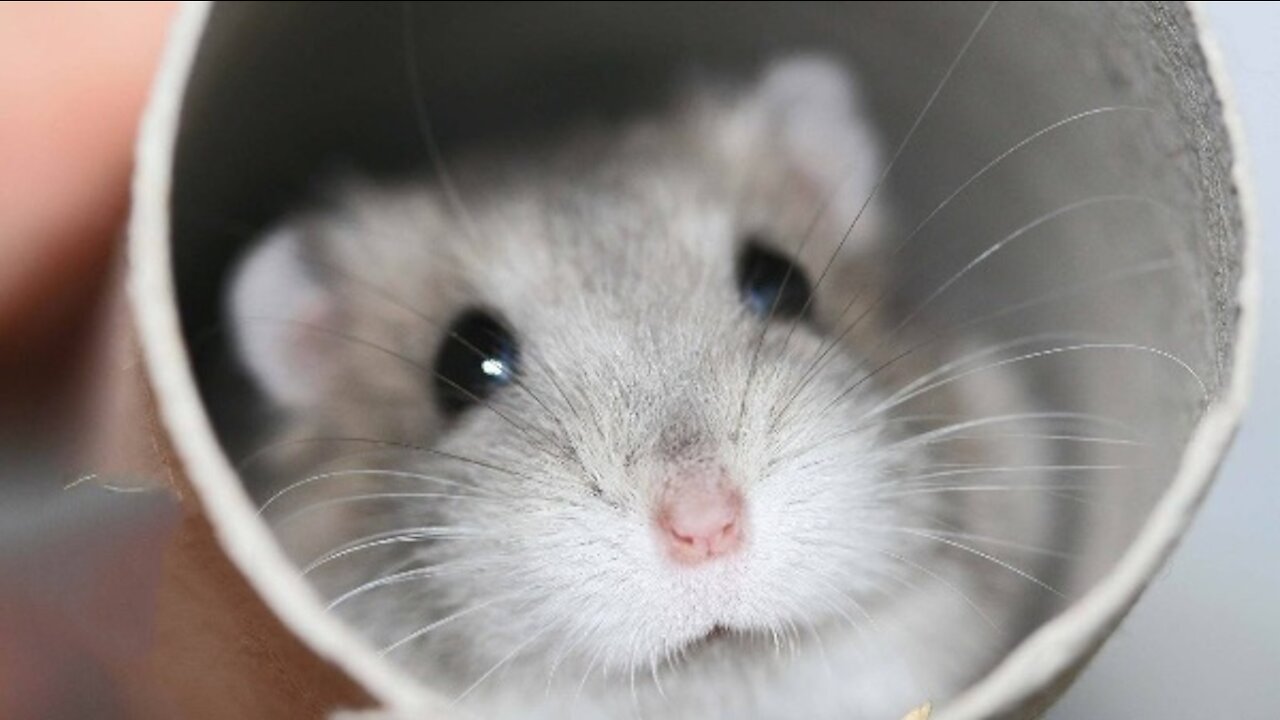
73, 78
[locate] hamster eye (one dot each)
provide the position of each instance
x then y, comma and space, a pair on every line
478, 356
772, 285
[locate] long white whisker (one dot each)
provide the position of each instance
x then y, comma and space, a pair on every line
1020, 232
380, 443
319, 505
359, 473
421, 573
1045, 298
1005, 469
392, 537
957, 488
1042, 354
544, 441
1082, 439
983, 257
980, 554
390, 298
875, 189
956, 193
884, 174
945, 583
948, 432
442, 622
506, 659
424, 127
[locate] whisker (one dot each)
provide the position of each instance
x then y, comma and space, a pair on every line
506, 659
983, 257
657, 684
866, 203
1082, 439
947, 432
870, 418
884, 175
1048, 353
582, 684
1057, 294
454, 198
317, 506
856, 605
255, 456
1020, 232
980, 554
435, 156
939, 579
980, 469
363, 473
1002, 542
993, 163
390, 298
398, 578
944, 489
580, 634
543, 441
392, 537
993, 349
442, 622
817, 639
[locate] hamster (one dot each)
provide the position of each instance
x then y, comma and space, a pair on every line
621, 425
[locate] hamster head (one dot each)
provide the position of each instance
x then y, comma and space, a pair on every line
621, 409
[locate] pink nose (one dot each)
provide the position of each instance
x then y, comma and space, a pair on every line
700, 519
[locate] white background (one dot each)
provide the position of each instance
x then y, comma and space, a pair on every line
1204, 643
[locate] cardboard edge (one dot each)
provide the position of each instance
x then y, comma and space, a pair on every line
1048, 655
237, 529
1055, 653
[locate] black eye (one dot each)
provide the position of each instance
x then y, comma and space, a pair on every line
772, 286
478, 356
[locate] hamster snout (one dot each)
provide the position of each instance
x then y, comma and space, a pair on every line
700, 516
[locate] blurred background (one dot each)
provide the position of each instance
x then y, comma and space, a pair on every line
1204, 641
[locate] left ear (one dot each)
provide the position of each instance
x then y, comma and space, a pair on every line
802, 134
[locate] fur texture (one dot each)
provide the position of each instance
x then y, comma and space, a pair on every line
508, 556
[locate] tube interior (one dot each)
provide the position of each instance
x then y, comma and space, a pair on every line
1070, 101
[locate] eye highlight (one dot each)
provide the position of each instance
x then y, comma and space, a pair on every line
771, 285
478, 356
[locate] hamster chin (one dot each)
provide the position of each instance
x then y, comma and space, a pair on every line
613, 429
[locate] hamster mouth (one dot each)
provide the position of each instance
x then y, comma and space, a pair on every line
717, 631
716, 634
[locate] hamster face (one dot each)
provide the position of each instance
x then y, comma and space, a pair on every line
625, 431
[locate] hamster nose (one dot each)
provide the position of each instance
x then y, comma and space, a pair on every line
700, 519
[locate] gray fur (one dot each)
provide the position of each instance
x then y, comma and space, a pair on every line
612, 257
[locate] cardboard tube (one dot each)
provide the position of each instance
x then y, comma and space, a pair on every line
242, 626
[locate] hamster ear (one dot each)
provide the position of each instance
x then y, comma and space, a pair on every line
806, 113
276, 306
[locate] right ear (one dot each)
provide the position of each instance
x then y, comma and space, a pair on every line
278, 309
